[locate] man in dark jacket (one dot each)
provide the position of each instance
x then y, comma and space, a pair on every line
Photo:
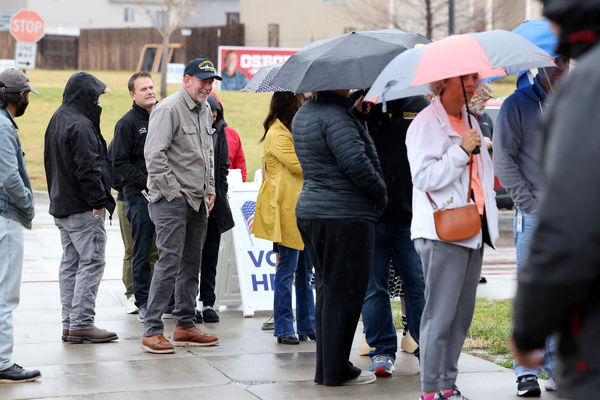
558, 286
392, 236
219, 220
78, 178
129, 163
517, 167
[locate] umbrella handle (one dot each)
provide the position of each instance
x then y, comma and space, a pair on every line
476, 150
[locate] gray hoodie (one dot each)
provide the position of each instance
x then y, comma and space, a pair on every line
515, 145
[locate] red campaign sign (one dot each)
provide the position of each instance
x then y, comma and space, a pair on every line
238, 64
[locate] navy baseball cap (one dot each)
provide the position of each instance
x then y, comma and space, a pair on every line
201, 68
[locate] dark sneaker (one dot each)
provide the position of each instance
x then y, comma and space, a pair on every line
269, 324
289, 339
15, 374
193, 337
92, 335
456, 395
198, 318
157, 344
142, 312
308, 338
382, 365
528, 386
210, 315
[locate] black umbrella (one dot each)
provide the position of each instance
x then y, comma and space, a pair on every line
350, 61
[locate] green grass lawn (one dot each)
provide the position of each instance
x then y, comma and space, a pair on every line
490, 330
244, 112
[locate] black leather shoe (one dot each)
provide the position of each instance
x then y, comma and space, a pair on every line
15, 373
306, 338
209, 315
198, 318
290, 339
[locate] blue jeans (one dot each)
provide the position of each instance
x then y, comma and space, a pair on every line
293, 261
392, 241
11, 265
142, 231
523, 230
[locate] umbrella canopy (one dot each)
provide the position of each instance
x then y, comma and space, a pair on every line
540, 33
350, 61
490, 53
262, 81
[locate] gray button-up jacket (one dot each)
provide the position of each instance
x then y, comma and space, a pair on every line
179, 150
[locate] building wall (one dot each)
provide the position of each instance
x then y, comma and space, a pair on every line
68, 16
301, 22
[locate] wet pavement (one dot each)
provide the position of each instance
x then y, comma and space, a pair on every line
247, 364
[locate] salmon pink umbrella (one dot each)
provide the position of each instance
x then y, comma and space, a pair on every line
490, 54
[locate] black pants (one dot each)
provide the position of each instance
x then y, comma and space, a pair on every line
341, 251
208, 269
142, 230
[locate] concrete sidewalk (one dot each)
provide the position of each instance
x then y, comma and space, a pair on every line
248, 364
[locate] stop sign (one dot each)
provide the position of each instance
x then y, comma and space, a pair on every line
27, 26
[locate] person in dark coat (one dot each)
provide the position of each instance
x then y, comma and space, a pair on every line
392, 236
557, 289
129, 163
220, 219
342, 197
78, 178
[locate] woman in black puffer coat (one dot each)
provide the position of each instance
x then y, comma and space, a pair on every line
342, 197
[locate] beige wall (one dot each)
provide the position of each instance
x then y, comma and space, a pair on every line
303, 21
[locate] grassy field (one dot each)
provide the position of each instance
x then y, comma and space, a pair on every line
490, 330
243, 111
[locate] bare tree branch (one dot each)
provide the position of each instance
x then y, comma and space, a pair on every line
174, 13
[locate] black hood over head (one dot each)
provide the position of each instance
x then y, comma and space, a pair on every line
216, 105
82, 92
579, 21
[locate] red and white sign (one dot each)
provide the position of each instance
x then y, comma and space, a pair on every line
27, 26
248, 60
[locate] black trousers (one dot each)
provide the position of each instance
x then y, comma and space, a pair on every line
341, 251
208, 269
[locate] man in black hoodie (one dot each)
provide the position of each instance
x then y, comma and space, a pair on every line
130, 164
77, 174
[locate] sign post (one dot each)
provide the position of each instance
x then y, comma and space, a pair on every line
27, 27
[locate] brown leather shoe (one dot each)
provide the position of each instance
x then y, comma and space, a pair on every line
193, 337
92, 335
157, 344
65, 335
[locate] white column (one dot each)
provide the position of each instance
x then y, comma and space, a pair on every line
489, 15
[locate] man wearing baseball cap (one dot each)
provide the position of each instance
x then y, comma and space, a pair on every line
16, 212
181, 190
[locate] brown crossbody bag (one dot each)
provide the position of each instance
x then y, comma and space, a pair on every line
460, 223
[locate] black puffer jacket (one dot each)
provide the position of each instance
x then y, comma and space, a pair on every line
221, 213
127, 151
77, 170
341, 171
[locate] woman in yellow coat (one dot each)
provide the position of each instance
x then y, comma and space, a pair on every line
275, 220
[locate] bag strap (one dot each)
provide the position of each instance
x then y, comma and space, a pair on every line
470, 163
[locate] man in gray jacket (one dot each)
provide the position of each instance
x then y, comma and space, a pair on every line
16, 212
181, 189
516, 166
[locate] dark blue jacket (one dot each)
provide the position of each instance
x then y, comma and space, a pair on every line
341, 171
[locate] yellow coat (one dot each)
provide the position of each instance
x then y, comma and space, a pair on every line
275, 214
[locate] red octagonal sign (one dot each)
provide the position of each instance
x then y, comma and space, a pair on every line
27, 26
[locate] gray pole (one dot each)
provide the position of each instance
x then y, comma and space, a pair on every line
450, 17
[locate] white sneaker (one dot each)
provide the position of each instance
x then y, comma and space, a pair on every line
550, 385
130, 307
364, 378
